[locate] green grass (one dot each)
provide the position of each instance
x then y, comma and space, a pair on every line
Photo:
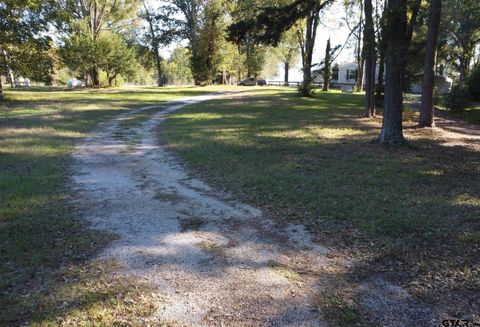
314, 160
41, 237
471, 114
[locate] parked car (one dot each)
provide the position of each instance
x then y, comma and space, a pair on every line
73, 83
251, 82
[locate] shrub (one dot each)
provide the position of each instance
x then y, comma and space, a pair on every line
458, 98
473, 82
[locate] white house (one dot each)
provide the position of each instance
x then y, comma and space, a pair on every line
344, 75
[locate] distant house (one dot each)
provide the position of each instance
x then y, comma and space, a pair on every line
344, 75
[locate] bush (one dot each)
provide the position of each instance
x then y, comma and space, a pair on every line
473, 83
458, 99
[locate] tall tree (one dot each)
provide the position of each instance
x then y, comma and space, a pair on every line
462, 23
207, 51
190, 27
426, 108
24, 40
288, 50
380, 51
369, 55
306, 39
354, 20
96, 16
396, 46
161, 31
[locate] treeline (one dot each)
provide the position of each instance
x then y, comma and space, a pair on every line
105, 42
400, 36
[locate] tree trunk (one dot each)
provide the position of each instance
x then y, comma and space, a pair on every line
381, 60
1, 89
326, 69
381, 71
110, 81
287, 68
360, 61
310, 35
411, 23
158, 60
428, 84
9, 68
94, 75
370, 60
392, 129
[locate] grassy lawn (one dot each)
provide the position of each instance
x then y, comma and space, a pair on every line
471, 114
410, 213
45, 277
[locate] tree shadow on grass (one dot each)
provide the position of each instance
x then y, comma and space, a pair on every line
413, 213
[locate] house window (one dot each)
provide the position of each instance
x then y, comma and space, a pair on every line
335, 73
352, 74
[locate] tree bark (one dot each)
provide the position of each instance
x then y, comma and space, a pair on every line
326, 69
381, 58
428, 84
287, 68
307, 53
94, 75
370, 60
1, 89
381, 71
360, 60
110, 80
392, 128
9, 68
158, 61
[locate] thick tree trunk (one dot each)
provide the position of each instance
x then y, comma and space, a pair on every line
428, 84
370, 60
392, 129
326, 69
287, 69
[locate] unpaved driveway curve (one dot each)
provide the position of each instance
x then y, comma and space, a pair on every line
215, 261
